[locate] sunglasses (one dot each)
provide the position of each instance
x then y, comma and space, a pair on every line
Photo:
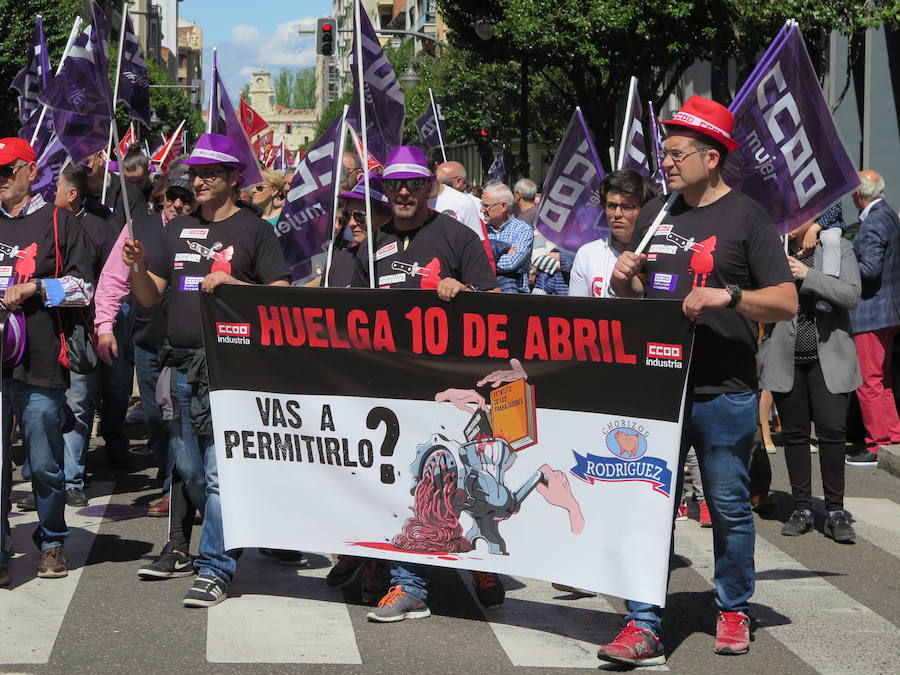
206, 175
358, 216
185, 197
7, 170
261, 187
411, 184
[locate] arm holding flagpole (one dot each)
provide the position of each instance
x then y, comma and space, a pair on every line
338, 162
76, 28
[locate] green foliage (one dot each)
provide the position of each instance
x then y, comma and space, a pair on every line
17, 22
296, 89
332, 112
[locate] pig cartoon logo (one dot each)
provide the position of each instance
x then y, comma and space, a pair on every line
626, 443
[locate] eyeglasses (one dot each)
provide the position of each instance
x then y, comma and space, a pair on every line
627, 209
184, 196
487, 207
678, 156
206, 175
411, 184
358, 216
7, 170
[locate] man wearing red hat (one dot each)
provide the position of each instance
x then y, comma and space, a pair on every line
718, 252
44, 266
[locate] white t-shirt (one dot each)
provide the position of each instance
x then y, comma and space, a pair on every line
459, 205
592, 270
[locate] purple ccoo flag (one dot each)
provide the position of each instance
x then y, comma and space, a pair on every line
385, 103
307, 223
33, 78
633, 151
659, 176
432, 131
791, 159
497, 169
80, 96
49, 165
134, 86
571, 210
224, 121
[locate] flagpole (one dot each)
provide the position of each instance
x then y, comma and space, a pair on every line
112, 121
122, 187
663, 212
365, 139
338, 163
76, 27
437, 123
632, 88
212, 93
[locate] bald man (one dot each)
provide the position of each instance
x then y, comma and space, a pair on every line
876, 320
453, 174
455, 202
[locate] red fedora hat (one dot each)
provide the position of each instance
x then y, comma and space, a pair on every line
707, 117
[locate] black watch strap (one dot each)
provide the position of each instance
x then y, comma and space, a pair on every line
736, 294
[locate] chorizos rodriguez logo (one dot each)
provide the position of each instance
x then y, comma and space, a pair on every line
662, 355
233, 333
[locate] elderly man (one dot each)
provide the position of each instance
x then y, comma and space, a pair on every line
525, 191
136, 168
47, 267
876, 320
497, 204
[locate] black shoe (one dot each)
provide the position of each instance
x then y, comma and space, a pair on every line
799, 523
488, 588
344, 571
206, 592
837, 527
75, 497
4, 576
27, 503
864, 458
283, 557
118, 459
168, 565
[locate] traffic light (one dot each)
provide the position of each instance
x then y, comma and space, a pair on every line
288, 127
483, 141
325, 37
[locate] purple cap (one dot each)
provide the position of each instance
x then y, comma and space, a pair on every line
13, 339
215, 149
376, 192
406, 161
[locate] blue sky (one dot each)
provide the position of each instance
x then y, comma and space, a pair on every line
248, 33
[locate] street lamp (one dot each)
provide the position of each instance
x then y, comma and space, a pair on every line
410, 78
483, 28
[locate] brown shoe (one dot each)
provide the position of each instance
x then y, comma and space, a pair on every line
160, 509
53, 563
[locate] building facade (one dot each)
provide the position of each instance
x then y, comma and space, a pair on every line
190, 60
298, 127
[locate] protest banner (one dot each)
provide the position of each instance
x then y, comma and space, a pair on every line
492, 433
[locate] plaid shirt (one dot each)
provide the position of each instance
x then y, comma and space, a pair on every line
512, 268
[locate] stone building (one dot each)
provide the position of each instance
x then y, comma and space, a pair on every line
297, 126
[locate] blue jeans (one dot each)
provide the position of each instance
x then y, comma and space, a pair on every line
81, 396
721, 429
411, 577
146, 366
39, 411
195, 459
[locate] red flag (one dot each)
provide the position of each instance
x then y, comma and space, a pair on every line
373, 164
126, 141
261, 143
251, 121
173, 147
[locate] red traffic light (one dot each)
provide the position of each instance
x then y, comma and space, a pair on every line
326, 27
484, 133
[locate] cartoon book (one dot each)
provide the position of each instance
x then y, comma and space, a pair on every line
513, 415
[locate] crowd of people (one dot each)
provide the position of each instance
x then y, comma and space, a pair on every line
824, 310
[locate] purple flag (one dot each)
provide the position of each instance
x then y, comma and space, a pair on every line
134, 86
49, 164
497, 169
659, 176
432, 131
385, 103
791, 159
307, 222
80, 96
33, 78
633, 151
224, 121
571, 210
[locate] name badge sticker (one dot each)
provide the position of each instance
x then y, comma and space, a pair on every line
190, 283
187, 257
664, 282
385, 251
194, 233
391, 279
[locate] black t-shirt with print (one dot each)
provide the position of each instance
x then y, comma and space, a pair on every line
731, 241
242, 245
149, 327
100, 235
420, 258
28, 251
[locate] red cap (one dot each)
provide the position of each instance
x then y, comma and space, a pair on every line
14, 148
708, 118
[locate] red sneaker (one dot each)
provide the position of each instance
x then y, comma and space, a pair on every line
705, 519
682, 510
635, 646
732, 633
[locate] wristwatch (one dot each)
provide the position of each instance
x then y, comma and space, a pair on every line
736, 293
39, 285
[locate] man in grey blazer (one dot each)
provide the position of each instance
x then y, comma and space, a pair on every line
876, 320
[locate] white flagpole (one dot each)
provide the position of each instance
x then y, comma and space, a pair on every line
632, 89
437, 123
663, 212
612, 156
112, 122
212, 94
76, 28
338, 163
365, 139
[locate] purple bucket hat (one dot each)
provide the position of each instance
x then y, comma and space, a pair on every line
376, 192
215, 149
13, 339
406, 161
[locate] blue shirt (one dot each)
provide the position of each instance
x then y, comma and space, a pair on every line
512, 268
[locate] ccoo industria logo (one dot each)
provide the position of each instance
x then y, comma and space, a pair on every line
627, 442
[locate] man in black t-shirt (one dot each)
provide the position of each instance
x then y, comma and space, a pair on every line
45, 268
717, 252
422, 249
224, 244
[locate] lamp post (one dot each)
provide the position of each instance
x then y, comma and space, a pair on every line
410, 77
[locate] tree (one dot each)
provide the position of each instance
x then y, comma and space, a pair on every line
304, 94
